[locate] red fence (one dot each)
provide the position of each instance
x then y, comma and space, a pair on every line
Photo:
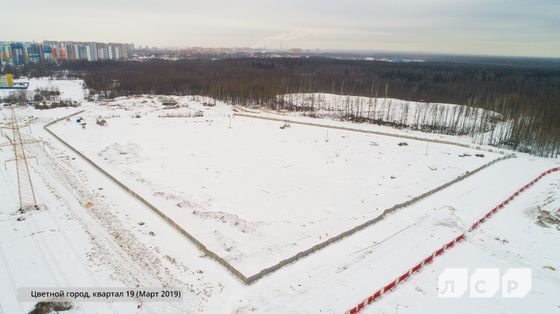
378, 293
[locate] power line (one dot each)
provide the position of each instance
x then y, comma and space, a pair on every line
26, 191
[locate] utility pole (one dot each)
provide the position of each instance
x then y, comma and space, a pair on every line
26, 191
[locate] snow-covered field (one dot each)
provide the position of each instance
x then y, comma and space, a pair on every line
69, 89
417, 115
479, 125
250, 190
268, 182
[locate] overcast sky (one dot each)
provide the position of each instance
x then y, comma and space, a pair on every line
490, 27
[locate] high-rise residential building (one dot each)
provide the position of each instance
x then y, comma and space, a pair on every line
82, 52
20, 53
34, 53
54, 53
62, 54
93, 49
47, 53
5, 54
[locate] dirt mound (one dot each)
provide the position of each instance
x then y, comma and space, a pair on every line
51, 307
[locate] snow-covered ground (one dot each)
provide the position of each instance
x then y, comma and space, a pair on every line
250, 190
90, 232
482, 126
69, 89
419, 115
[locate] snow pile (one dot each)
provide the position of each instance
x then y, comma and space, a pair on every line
546, 213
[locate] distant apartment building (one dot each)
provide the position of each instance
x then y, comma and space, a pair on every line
5, 53
34, 53
16, 53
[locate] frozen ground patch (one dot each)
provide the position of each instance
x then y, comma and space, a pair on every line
253, 191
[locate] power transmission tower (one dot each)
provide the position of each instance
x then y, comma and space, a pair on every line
26, 191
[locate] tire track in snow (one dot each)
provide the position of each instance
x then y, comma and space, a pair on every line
126, 242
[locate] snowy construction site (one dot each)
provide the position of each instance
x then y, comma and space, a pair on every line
255, 210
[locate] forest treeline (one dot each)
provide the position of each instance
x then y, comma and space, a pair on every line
527, 96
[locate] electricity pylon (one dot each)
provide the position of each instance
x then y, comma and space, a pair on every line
26, 191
